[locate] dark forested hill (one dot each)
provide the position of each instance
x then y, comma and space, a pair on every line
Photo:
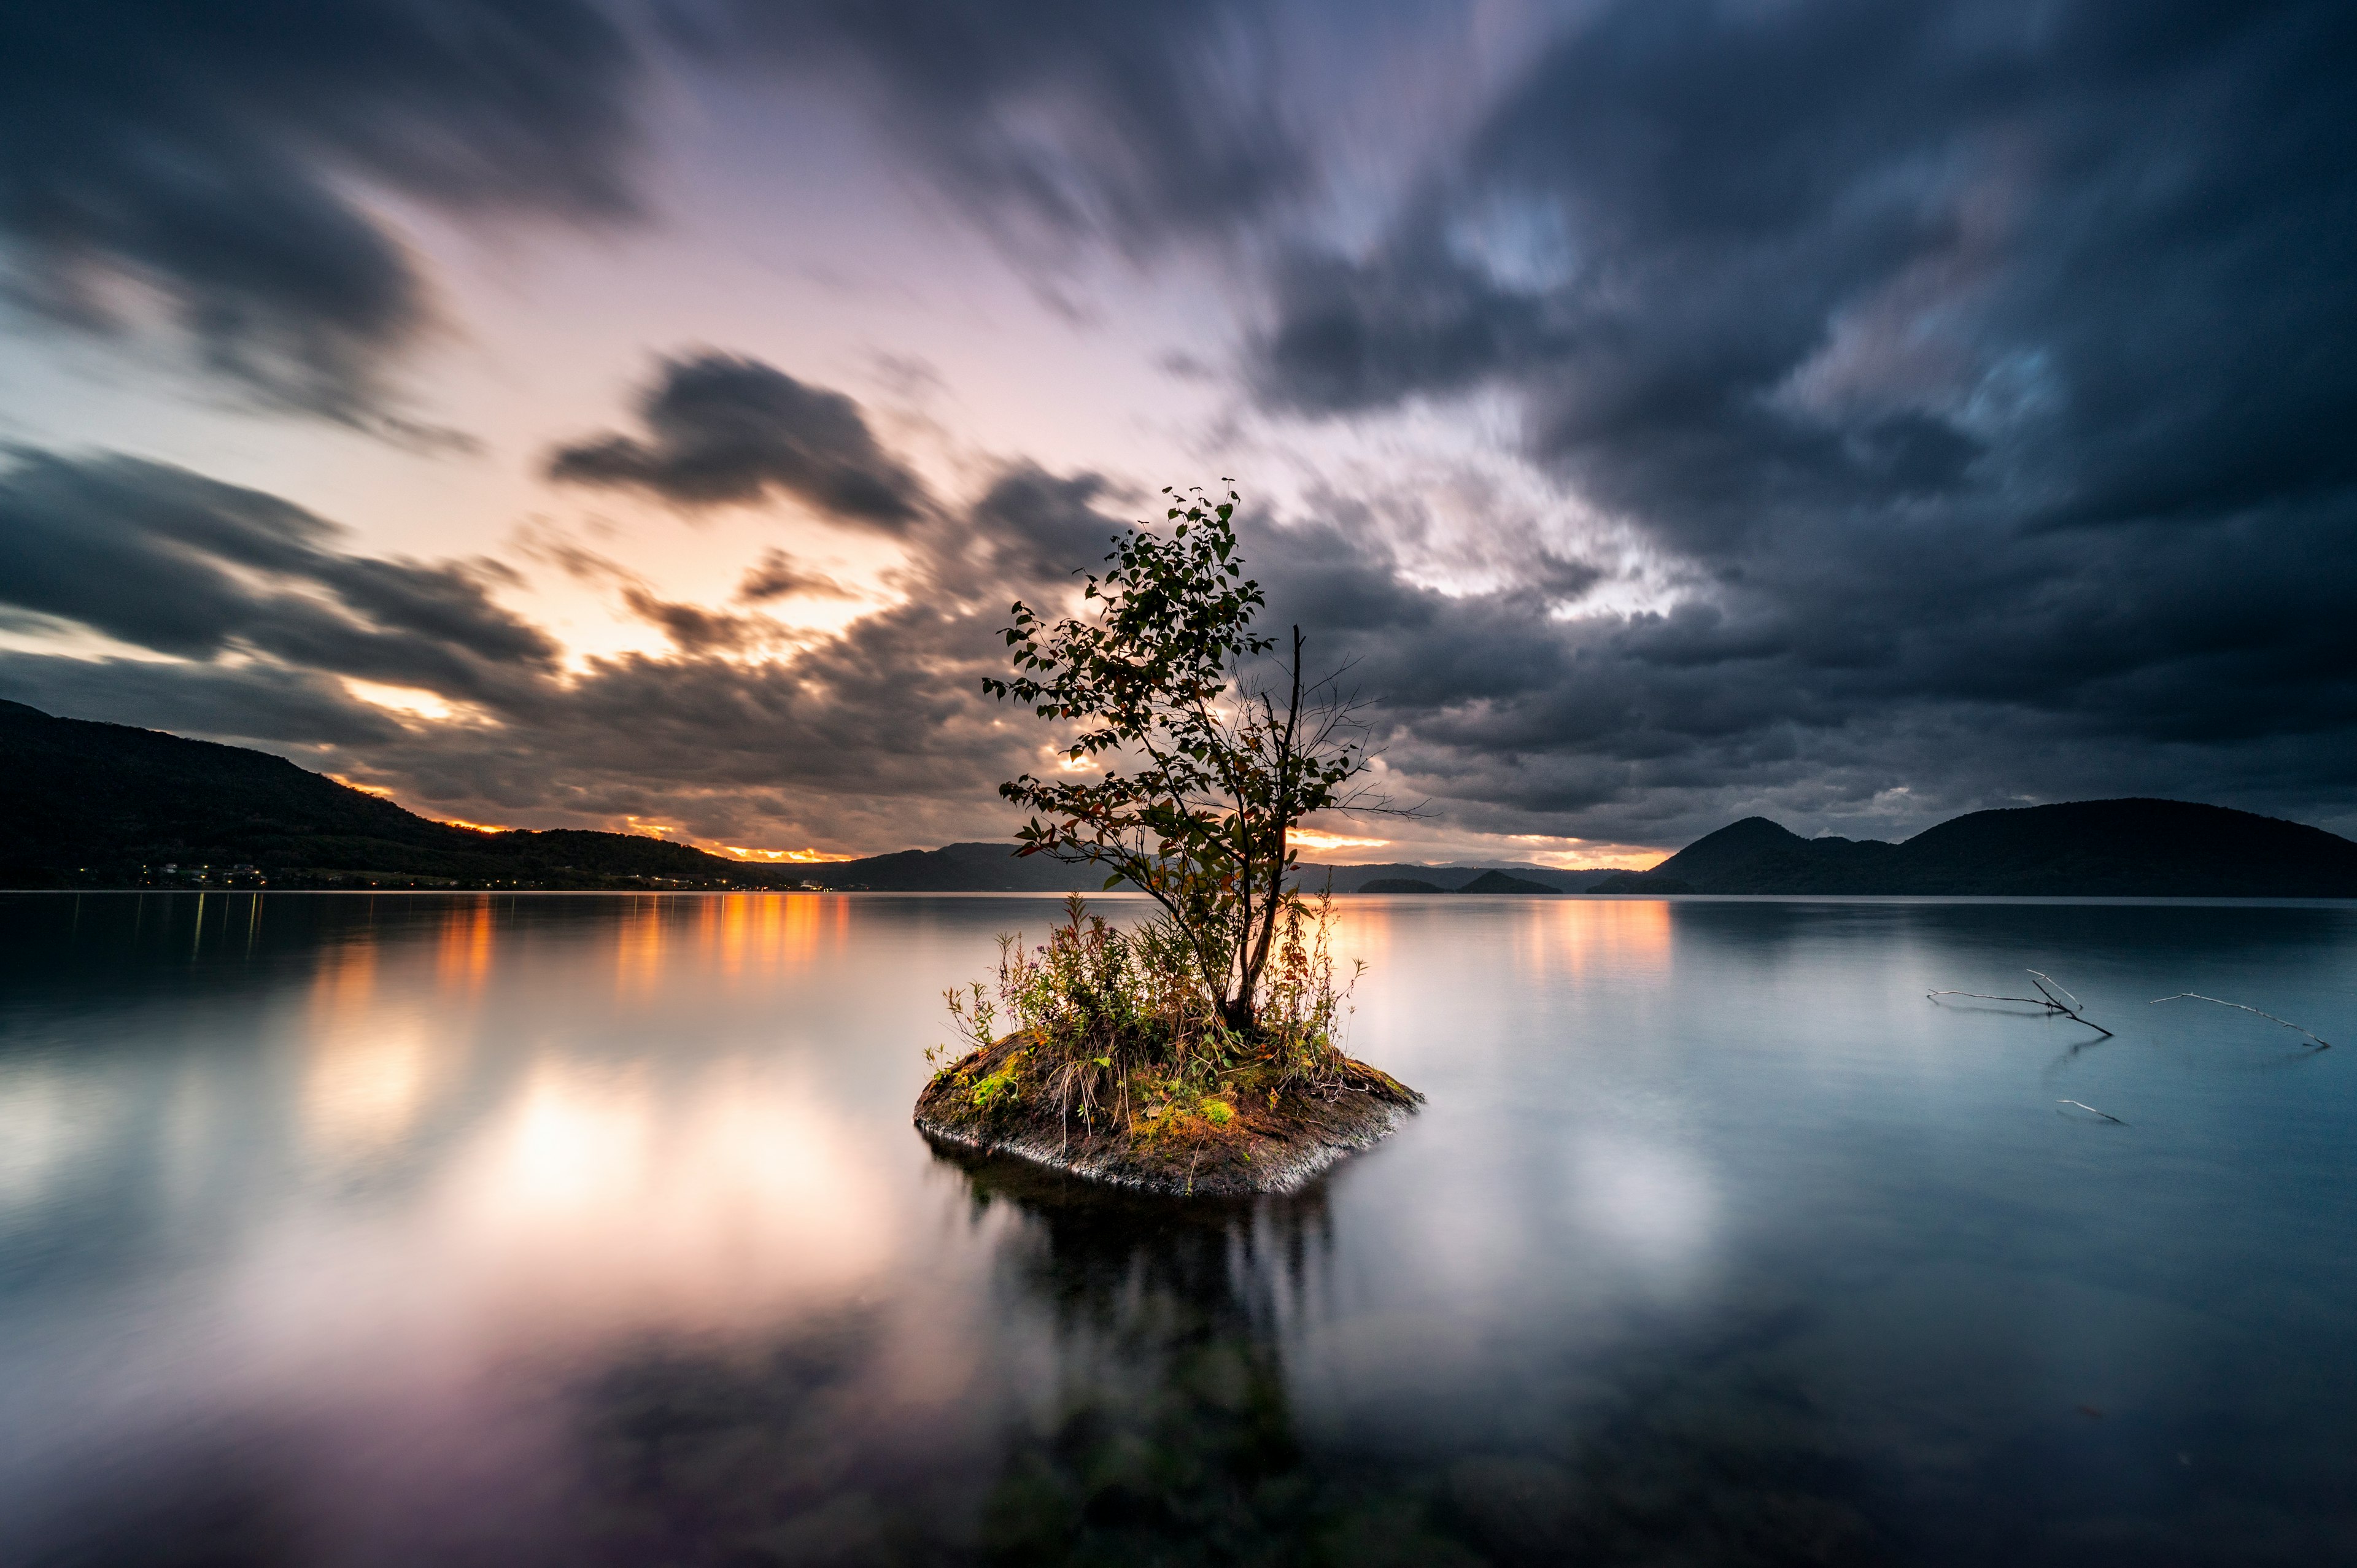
2084, 848
98, 805
1314, 877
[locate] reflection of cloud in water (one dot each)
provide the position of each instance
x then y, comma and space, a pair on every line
594, 1202
363, 1088
1650, 1202
40, 1134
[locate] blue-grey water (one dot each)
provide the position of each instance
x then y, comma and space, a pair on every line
589, 1230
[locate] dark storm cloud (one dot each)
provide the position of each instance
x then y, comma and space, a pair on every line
1038, 529
300, 713
165, 559
692, 627
1123, 123
1981, 373
721, 427
213, 156
777, 576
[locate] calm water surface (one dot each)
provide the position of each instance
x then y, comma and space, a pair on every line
588, 1230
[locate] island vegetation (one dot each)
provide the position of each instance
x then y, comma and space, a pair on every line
1198, 1051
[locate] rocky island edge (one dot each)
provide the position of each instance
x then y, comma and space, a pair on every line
1252, 1134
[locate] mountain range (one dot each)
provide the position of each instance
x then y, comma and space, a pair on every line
99, 805
2082, 848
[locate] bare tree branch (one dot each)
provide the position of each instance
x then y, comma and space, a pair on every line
2046, 998
2321, 1043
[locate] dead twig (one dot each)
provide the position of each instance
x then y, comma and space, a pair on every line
2091, 1109
2321, 1043
2047, 987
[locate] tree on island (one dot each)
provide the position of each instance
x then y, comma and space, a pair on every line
1198, 1050
1227, 764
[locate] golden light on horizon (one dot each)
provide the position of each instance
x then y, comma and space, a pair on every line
1581, 854
790, 856
379, 790
415, 701
1312, 839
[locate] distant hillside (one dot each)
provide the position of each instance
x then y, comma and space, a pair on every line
1499, 882
956, 869
2084, 848
99, 805
1441, 878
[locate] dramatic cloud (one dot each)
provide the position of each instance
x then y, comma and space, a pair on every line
1125, 124
777, 576
168, 560
1968, 360
742, 734
725, 428
1855, 410
214, 159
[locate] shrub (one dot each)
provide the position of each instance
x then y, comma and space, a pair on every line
1114, 1020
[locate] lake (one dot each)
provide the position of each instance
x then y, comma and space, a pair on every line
401, 1230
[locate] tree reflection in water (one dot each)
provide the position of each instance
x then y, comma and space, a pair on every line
1160, 1431
1165, 1435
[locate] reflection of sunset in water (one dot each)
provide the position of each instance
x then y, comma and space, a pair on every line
591, 1203
343, 984
364, 1088
1548, 937
465, 952
1567, 939
712, 1201
369, 1060
704, 1193
638, 936
476, 1163
761, 933
732, 937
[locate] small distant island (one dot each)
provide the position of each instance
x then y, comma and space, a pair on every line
1198, 1052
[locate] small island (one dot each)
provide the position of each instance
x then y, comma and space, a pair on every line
1198, 1052
1239, 1138
1091, 1086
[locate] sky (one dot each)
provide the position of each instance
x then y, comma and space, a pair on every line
641, 414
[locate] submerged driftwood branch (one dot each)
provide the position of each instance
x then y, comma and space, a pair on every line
2047, 986
2084, 1106
2321, 1043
